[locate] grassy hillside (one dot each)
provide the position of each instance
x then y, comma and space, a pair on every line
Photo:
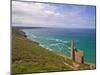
29, 57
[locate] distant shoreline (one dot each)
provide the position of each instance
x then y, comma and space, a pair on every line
26, 27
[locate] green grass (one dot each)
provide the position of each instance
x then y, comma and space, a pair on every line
29, 57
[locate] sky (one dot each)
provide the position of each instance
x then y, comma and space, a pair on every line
37, 14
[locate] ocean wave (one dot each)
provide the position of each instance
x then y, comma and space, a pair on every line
59, 44
52, 40
58, 40
55, 44
34, 36
50, 43
45, 47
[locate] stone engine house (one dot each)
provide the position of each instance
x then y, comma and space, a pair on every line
76, 54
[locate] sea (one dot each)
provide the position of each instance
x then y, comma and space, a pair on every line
58, 40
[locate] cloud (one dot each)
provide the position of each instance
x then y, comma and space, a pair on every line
50, 15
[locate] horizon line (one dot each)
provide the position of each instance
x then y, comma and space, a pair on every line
55, 27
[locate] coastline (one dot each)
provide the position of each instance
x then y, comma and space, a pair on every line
60, 61
56, 52
29, 57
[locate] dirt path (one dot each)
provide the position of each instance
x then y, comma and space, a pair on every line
74, 68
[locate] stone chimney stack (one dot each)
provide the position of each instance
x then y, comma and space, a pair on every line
72, 50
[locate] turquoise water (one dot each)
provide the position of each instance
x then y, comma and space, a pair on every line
58, 39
